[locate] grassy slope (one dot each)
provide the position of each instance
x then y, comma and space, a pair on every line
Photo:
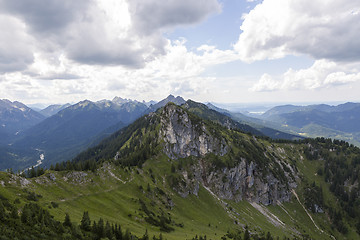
116, 199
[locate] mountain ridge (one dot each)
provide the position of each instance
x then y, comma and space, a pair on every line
175, 173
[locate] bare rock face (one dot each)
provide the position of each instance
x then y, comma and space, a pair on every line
245, 181
242, 182
183, 138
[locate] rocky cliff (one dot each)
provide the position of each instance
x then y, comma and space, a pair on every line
186, 136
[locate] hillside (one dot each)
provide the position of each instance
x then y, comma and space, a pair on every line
181, 176
340, 122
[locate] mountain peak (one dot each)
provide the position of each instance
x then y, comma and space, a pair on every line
187, 135
172, 98
120, 100
85, 104
177, 100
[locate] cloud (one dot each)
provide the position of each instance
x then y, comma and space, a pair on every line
63, 76
341, 78
322, 29
178, 71
265, 84
102, 48
45, 16
322, 74
153, 15
96, 32
15, 45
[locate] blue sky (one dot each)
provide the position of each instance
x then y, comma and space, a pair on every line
230, 51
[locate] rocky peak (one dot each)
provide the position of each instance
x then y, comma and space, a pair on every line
186, 135
177, 100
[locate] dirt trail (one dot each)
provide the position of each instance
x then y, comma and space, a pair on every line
232, 213
293, 191
271, 217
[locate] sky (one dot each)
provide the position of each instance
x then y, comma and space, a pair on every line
225, 51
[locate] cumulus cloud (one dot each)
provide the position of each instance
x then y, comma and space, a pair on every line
45, 16
322, 29
15, 45
265, 84
322, 74
169, 13
96, 32
178, 71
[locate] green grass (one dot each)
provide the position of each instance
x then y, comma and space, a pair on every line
116, 199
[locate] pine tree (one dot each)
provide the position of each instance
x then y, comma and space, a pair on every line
85, 222
67, 221
94, 228
107, 230
100, 228
118, 232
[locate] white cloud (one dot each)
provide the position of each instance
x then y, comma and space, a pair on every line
153, 15
322, 74
97, 49
96, 32
340, 78
16, 51
323, 29
266, 83
178, 71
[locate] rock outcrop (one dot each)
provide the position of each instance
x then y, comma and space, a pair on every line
242, 182
185, 137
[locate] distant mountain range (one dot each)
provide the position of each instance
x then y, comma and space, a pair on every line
53, 109
15, 117
341, 121
62, 131
73, 129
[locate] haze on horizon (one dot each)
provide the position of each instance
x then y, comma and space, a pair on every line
223, 51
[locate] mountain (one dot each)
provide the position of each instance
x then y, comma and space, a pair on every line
53, 109
204, 112
119, 100
220, 110
73, 129
278, 110
177, 100
174, 175
14, 118
70, 129
340, 121
255, 126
